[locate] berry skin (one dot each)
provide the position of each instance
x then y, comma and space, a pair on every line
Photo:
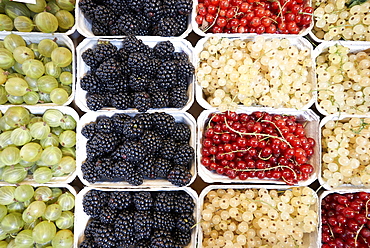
184, 155
163, 49
88, 56
95, 101
94, 201
143, 201
184, 203
185, 222
91, 83
104, 50
142, 101
89, 130
164, 202
163, 221
162, 167
120, 200
179, 176
178, 97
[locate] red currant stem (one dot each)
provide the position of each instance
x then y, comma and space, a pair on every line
269, 18
222, 133
259, 156
358, 233
213, 23
236, 151
367, 209
209, 122
279, 132
265, 169
331, 231
305, 13
285, 181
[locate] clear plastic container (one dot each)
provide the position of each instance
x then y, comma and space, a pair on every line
181, 45
82, 218
312, 130
39, 110
81, 150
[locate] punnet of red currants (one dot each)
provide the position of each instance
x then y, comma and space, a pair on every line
257, 145
345, 220
253, 16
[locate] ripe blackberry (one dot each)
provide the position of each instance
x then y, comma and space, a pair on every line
184, 203
153, 9
179, 176
88, 243
95, 101
108, 215
168, 27
121, 101
160, 99
185, 69
120, 169
105, 125
143, 200
163, 49
143, 222
88, 56
105, 237
138, 63
131, 44
133, 128
104, 15
184, 155
94, 201
166, 75
105, 168
91, 83
151, 140
99, 29
120, 200
164, 202
138, 83
184, 7
182, 238
108, 70
132, 175
87, 7
105, 50
160, 233
170, 9
185, 222
124, 229
105, 142
143, 243
89, 171
118, 86
162, 242
147, 166
178, 97
116, 6
181, 132
169, 149
89, 130
128, 24
119, 121
146, 119
163, 123
142, 101
162, 167
136, 5
91, 228
131, 151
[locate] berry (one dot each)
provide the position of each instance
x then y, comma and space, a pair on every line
163, 221
143, 201
164, 202
120, 200
91, 83
179, 176
178, 97
95, 101
184, 155
162, 167
88, 56
94, 201
142, 101
185, 222
89, 130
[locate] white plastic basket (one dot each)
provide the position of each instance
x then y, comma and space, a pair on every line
82, 218
354, 47
84, 26
199, 32
181, 45
299, 42
326, 193
81, 140
61, 40
311, 242
39, 110
317, 40
340, 118
312, 130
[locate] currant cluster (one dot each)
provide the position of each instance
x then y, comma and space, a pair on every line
345, 221
258, 145
253, 16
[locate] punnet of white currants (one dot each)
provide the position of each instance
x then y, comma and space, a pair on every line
270, 72
235, 218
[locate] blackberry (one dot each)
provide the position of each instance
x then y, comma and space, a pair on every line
128, 24
182, 237
131, 151
119, 85
169, 149
99, 29
184, 203
167, 27
142, 101
136, 5
182, 23
89, 130
105, 125
143, 243
147, 166
117, 6
91, 228
151, 140
119, 121
184, 7
146, 119
104, 15
108, 70
162, 167
94, 201
166, 75
88, 243
105, 50
89, 172
133, 128
131, 44
138, 63
105, 168
153, 9
105, 142
115, 29
163, 123
162, 242
120, 169
143, 200
164, 202
108, 215
88, 56
124, 227
184, 155
138, 83
91, 83
160, 99
185, 222
105, 237
170, 9
121, 101
133, 175
88, 7
161, 233
95, 101
143, 222
178, 97
120, 200
185, 69
181, 132
179, 176
163, 49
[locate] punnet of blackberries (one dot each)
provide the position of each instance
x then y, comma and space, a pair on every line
138, 219
146, 146
137, 17
131, 74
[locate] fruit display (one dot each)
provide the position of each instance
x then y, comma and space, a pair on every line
36, 216
343, 79
345, 221
341, 20
239, 217
253, 16
36, 70
269, 72
130, 74
259, 146
345, 152
150, 218
123, 149
139, 18
43, 16
37, 147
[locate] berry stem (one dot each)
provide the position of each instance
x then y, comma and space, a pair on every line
236, 151
358, 233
